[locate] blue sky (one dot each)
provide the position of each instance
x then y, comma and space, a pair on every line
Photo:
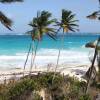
22, 13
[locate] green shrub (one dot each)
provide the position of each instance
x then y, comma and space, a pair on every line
98, 86
37, 97
20, 88
62, 87
95, 84
45, 80
85, 97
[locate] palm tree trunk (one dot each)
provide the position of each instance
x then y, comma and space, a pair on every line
98, 64
92, 67
58, 58
60, 51
98, 61
32, 55
27, 58
33, 59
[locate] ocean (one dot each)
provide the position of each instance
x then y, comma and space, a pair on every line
14, 48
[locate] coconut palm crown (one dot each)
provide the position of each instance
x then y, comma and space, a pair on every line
67, 23
41, 26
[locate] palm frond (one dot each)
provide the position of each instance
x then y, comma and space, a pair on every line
99, 2
58, 29
75, 25
67, 22
32, 25
5, 21
29, 32
72, 21
45, 14
57, 24
72, 29
10, 1
47, 29
93, 15
52, 36
71, 17
51, 21
42, 25
65, 14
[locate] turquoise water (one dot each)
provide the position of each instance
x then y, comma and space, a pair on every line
13, 49
13, 44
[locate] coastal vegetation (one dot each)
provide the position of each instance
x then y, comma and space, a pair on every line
40, 87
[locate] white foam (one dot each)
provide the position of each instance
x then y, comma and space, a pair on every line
45, 56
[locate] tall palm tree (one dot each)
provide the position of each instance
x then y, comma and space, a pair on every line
67, 23
5, 20
41, 26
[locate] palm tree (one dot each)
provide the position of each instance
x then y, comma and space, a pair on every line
98, 62
91, 69
3, 19
67, 23
40, 26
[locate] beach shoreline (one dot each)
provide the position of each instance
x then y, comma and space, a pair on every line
77, 71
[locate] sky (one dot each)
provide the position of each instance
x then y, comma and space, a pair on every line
22, 13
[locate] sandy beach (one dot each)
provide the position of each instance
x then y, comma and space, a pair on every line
77, 71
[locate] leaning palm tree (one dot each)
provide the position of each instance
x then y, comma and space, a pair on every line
67, 23
98, 62
89, 73
40, 26
5, 20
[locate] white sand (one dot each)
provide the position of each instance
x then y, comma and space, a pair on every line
77, 71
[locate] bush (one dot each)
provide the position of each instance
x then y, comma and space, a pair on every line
20, 88
98, 86
95, 84
85, 97
45, 80
37, 97
62, 88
